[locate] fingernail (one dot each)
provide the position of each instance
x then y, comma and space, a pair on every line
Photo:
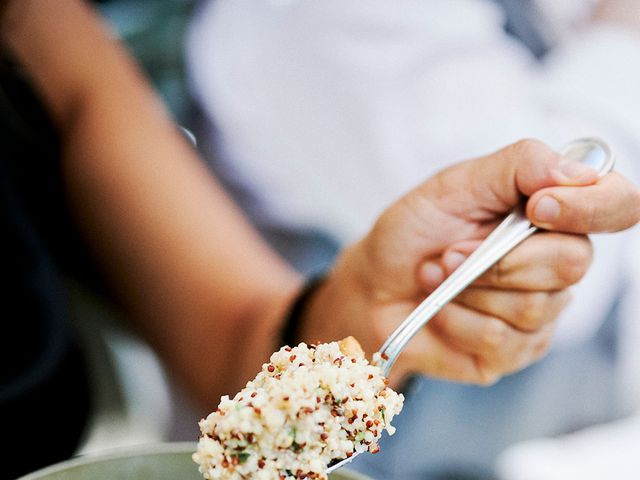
573, 170
547, 209
432, 274
453, 260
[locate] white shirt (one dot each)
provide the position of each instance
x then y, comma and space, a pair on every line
327, 111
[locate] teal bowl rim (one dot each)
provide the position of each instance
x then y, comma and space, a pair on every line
130, 451
112, 454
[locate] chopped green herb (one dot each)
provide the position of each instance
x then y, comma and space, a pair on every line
243, 456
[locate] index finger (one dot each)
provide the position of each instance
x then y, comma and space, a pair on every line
612, 204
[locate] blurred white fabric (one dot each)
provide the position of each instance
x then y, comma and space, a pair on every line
562, 18
611, 450
328, 111
605, 451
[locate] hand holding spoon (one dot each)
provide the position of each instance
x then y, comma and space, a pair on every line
515, 228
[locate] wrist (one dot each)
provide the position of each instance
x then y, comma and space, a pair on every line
342, 305
291, 330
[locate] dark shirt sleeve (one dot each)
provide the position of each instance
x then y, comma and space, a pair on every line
44, 394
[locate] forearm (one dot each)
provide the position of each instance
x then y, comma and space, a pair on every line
618, 12
190, 272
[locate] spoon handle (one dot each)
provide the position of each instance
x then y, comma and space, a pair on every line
515, 228
512, 230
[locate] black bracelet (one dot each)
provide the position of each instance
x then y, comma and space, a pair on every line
290, 332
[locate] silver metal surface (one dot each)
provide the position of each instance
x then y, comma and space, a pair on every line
163, 461
515, 228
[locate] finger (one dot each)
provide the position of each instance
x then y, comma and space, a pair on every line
433, 271
536, 347
612, 204
501, 347
495, 183
430, 355
525, 311
430, 274
545, 261
471, 331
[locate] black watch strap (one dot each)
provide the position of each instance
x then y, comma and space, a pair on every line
290, 333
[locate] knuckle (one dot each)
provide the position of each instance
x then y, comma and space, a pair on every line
592, 216
527, 357
491, 379
570, 273
543, 341
563, 297
532, 348
494, 334
497, 274
486, 376
574, 262
531, 154
541, 347
531, 310
526, 147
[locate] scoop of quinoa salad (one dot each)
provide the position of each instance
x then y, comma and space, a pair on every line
309, 405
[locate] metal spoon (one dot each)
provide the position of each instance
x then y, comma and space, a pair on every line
515, 228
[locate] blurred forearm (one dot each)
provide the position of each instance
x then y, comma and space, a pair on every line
192, 274
619, 12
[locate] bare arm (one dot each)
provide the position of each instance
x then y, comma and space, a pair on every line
624, 13
200, 284
190, 272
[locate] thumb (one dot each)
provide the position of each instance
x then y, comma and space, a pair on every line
497, 182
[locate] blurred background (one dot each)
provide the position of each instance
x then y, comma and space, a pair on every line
316, 114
